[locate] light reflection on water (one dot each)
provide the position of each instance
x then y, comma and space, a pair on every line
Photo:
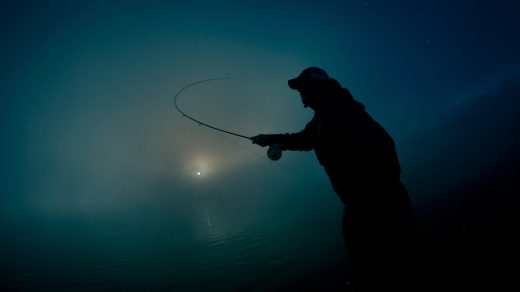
240, 248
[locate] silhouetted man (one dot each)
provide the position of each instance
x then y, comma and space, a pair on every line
360, 159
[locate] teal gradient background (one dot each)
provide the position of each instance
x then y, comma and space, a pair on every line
98, 184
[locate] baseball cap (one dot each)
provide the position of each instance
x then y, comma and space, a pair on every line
309, 74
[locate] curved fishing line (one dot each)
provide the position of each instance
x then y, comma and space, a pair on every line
197, 121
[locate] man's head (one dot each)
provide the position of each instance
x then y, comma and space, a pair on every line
312, 84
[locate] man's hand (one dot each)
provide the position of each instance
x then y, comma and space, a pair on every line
262, 140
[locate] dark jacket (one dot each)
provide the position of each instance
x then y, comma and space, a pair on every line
357, 153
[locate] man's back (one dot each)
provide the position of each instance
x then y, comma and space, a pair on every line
355, 150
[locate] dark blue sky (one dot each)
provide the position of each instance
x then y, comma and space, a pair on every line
88, 123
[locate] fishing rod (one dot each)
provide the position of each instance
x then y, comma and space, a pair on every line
197, 121
273, 152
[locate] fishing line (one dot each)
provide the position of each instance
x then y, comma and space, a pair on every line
262, 157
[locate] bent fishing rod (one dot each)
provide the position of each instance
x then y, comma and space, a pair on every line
197, 121
273, 152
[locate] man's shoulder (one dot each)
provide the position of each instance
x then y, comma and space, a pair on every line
341, 106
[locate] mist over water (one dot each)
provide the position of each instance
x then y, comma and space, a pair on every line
129, 211
205, 235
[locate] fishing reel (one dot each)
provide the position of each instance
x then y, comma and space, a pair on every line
274, 152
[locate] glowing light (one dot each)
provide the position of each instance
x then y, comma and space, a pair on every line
200, 168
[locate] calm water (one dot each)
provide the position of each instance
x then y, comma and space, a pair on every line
260, 242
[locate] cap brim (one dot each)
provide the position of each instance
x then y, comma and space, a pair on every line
294, 83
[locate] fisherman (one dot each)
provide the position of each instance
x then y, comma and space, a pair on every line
360, 158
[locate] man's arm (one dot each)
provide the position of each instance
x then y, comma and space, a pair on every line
301, 141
